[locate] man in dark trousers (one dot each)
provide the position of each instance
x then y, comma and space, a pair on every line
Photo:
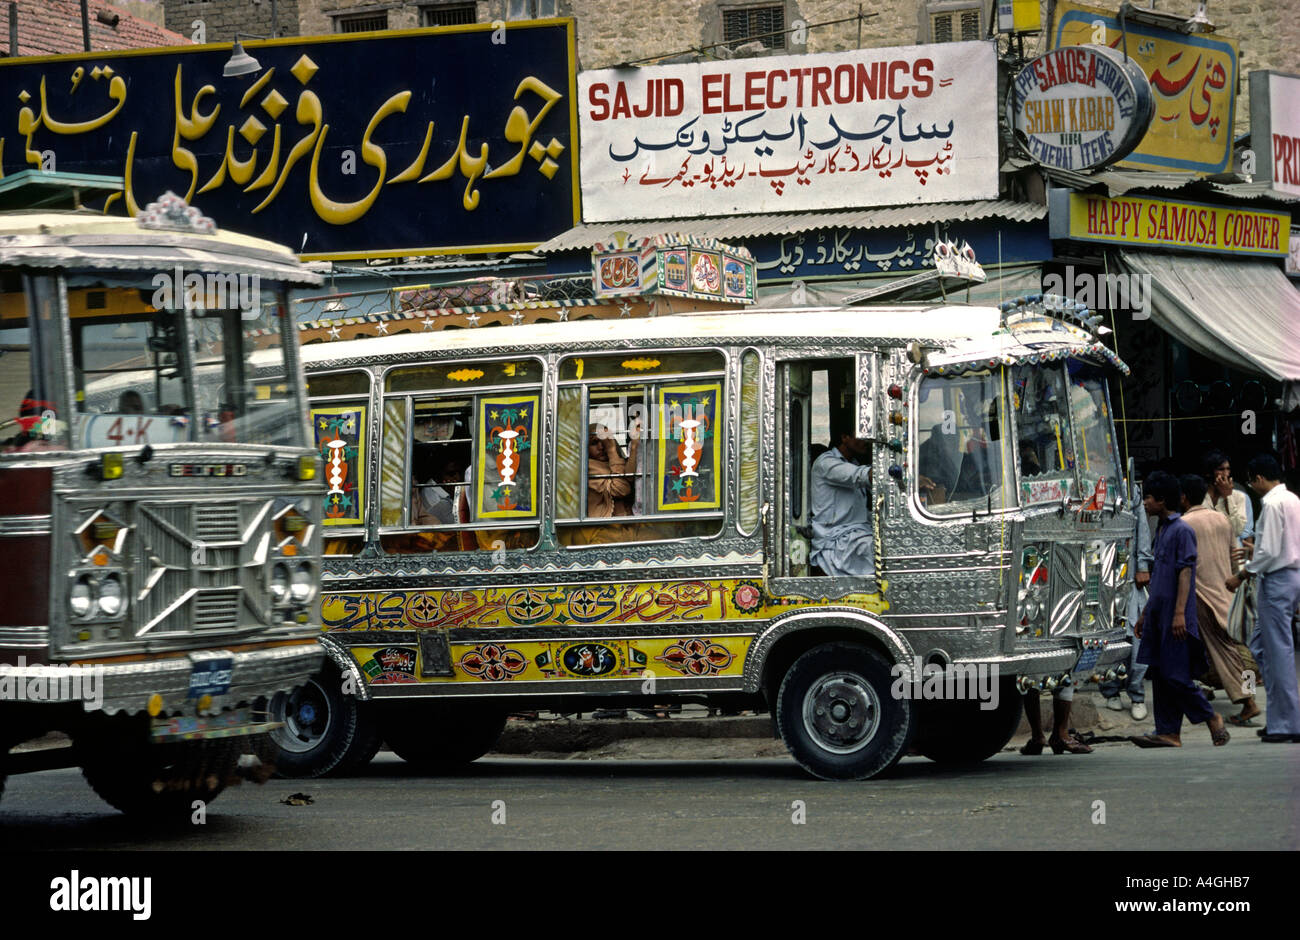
1171, 645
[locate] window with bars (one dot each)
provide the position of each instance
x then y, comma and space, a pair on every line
449, 14
530, 9
765, 23
361, 23
955, 25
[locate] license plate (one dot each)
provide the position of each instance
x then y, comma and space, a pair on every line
210, 677
1088, 659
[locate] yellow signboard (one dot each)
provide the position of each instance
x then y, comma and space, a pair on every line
1160, 223
1193, 80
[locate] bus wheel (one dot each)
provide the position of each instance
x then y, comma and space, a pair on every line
439, 736
962, 733
324, 731
158, 781
836, 715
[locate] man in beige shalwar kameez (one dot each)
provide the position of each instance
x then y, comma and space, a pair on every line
1214, 542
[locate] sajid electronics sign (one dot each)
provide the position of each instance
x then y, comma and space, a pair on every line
1080, 107
405, 143
870, 127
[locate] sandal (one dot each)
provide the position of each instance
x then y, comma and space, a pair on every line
1068, 746
1220, 737
1151, 740
1240, 722
1032, 748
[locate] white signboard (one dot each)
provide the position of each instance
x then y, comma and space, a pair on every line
1275, 128
873, 127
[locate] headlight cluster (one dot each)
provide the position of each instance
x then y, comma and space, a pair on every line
292, 585
98, 594
1033, 594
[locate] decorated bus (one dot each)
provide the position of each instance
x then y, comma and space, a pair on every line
606, 499
160, 535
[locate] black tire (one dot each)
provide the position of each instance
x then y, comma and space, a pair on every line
963, 733
861, 731
160, 782
325, 732
442, 736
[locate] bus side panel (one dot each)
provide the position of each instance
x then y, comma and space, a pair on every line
25, 555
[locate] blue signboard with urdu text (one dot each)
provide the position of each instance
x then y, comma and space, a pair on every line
382, 144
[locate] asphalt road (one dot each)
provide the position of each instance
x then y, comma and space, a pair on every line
1240, 797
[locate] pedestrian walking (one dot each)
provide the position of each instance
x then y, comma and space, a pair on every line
1171, 645
1275, 560
1214, 544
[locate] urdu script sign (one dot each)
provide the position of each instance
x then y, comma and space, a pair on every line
872, 127
416, 142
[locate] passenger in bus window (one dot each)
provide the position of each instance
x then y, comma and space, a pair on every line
841, 514
609, 484
434, 499
937, 465
130, 403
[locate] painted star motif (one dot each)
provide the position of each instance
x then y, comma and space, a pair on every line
334, 332
564, 315
624, 310
493, 414
382, 328
428, 323
517, 317
473, 319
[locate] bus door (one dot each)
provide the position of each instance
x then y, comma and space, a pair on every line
817, 394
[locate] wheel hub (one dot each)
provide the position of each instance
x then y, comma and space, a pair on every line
841, 712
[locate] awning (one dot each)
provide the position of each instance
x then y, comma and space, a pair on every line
1243, 313
1004, 283
731, 228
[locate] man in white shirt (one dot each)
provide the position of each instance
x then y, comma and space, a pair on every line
1276, 562
841, 518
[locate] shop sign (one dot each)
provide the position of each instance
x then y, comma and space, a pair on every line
1080, 107
1275, 128
379, 145
871, 127
1140, 222
1193, 83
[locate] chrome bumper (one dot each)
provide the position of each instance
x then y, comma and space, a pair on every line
128, 687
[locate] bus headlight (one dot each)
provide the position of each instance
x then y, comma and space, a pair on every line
111, 596
279, 583
81, 598
303, 584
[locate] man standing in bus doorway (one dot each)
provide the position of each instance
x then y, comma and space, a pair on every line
1214, 544
1171, 646
1276, 562
841, 513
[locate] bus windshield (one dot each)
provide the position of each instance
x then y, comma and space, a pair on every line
1096, 454
147, 375
963, 456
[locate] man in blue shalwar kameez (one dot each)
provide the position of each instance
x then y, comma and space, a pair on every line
1171, 644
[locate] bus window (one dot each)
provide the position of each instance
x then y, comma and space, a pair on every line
963, 456
1094, 446
462, 474
644, 455
31, 418
1046, 446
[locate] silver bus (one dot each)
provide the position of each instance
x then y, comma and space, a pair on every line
159, 533
562, 506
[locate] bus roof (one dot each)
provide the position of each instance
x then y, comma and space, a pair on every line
963, 333
89, 241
